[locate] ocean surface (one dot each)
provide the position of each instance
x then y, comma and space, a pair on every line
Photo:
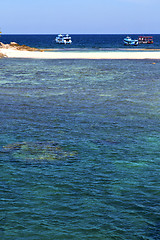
86, 42
79, 149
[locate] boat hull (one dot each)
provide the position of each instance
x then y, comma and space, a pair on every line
128, 42
61, 39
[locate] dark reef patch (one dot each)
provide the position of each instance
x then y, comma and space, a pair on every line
37, 151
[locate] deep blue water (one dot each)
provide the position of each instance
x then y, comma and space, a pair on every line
80, 41
79, 149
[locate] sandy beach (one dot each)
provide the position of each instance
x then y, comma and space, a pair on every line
129, 54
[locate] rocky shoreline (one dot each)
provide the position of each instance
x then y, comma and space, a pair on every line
16, 46
2, 55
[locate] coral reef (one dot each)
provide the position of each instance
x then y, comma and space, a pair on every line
37, 151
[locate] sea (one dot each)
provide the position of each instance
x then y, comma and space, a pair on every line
79, 144
83, 41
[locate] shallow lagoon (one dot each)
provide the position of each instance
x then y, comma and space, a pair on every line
107, 113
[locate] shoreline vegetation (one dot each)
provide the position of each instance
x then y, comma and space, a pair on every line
14, 50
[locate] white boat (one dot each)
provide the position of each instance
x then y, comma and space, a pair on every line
64, 39
130, 41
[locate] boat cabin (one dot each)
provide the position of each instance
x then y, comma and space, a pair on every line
145, 39
63, 39
129, 41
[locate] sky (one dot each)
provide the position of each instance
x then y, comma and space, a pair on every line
80, 16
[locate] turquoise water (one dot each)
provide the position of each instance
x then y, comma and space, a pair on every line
79, 149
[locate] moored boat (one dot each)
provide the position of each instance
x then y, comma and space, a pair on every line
63, 39
129, 41
145, 39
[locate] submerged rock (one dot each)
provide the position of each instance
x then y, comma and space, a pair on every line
37, 151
